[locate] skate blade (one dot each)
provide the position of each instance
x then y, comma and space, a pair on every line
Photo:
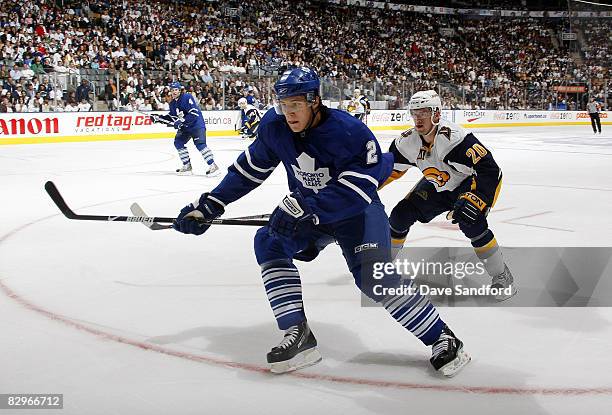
301, 360
452, 368
500, 298
184, 173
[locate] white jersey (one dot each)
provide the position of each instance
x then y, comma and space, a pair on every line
250, 116
360, 104
453, 157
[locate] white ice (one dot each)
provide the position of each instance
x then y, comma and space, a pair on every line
123, 320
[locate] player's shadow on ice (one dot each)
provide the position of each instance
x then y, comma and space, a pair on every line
251, 344
341, 359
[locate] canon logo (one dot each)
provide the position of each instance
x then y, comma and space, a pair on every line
21, 126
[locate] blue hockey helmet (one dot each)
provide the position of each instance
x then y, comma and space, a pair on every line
298, 81
175, 85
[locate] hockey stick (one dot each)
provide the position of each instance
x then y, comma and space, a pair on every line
69, 213
156, 118
154, 226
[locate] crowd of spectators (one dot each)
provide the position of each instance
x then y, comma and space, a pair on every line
121, 55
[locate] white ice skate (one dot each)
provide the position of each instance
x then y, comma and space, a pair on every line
185, 170
505, 282
213, 171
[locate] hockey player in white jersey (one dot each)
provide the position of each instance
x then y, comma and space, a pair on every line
360, 105
250, 117
460, 177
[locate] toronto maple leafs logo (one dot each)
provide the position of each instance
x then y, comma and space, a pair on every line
311, 178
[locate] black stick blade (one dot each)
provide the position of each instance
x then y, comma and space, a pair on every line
59, 201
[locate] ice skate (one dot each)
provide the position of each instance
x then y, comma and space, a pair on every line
447, 355
297, 350
185, 170
504, 281
212, 171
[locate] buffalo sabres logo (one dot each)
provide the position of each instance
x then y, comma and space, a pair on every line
436, 176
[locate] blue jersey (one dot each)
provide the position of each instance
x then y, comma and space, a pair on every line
337, 166
186, 109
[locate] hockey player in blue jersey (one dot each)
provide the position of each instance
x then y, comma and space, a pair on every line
186, 117
334, 166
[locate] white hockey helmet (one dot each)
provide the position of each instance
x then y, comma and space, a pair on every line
242, 103
425, 99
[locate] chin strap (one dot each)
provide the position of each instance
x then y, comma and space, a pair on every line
433, 124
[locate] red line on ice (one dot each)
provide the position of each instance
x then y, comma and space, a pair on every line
488, 390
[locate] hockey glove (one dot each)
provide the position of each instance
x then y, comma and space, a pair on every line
178, 125
469, 209
192, 218
291, 215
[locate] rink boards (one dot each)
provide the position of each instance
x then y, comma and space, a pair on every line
34, 128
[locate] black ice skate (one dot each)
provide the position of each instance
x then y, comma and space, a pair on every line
504, 282
447, 355
297, 350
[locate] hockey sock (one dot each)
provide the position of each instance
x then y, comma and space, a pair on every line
208, 155
284, 289
416, 314
487, 250
184, 155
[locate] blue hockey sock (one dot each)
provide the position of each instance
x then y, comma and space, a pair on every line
284, 289
417, 314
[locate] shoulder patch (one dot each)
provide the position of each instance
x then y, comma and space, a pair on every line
445, 131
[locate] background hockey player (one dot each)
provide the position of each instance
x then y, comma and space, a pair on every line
186, 117
334, 166
360, 105
250, 119
459, 175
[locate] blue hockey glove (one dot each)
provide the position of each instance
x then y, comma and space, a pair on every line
469, 209
178, 125
291, 215
192, 217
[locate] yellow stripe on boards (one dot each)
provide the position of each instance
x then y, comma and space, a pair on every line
102, 137
389, 127
531, 124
